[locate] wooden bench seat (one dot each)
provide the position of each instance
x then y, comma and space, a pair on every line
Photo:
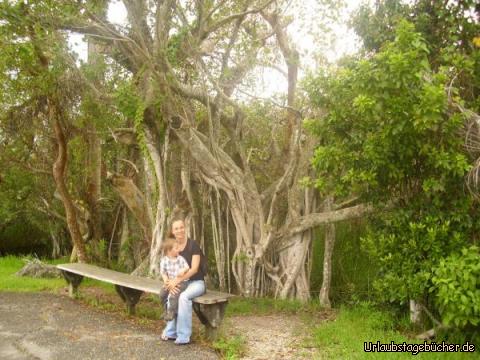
209, 307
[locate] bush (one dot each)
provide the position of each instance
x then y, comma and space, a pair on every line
456, 283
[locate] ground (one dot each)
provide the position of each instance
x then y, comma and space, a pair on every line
50, 326
271, 337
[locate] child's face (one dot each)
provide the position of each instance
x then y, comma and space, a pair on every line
173, 251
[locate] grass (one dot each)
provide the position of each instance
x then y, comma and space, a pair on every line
9, 265
344, 337
230, 348
149, 308
264, 306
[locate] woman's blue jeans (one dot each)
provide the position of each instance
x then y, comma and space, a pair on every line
181, 327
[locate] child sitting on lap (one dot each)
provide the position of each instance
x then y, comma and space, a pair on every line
171, 266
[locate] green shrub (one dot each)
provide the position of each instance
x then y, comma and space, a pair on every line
456, 282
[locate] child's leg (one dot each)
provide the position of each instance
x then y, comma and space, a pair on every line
164, 296
173, 302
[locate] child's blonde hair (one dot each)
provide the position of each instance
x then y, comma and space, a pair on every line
168, 244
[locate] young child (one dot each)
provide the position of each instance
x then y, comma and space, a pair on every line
171, 266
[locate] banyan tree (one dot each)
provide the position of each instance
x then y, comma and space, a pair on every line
187, 70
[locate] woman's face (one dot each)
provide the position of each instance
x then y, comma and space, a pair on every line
178, 230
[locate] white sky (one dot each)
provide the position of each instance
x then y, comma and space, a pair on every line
340, 42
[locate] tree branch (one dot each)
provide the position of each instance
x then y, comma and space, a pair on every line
315, 219
232, 17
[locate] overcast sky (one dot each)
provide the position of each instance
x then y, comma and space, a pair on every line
303, 31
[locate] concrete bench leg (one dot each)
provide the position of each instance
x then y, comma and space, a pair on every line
73, 281
129, 296
210, 315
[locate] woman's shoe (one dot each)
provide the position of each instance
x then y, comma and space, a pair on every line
181, 343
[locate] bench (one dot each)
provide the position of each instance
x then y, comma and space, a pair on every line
209, 307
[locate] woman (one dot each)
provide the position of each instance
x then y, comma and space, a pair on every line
180, 328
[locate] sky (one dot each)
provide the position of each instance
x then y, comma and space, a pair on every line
303, 31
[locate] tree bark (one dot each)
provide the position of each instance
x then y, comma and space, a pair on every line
59, 168
324, 296
94, 166
134, 200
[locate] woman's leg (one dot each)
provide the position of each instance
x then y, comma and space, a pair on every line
184, 319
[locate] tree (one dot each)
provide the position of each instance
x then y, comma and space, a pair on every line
184, 62
391, 136
28, 62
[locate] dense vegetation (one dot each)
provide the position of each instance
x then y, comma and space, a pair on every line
396, 133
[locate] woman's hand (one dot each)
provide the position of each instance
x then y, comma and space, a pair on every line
166, 283
172, 285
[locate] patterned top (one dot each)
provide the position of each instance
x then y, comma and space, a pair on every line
172, 267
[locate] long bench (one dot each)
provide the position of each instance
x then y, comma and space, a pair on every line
209, 307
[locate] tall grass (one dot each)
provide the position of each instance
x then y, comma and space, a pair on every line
344, 337
352, 269
238, 306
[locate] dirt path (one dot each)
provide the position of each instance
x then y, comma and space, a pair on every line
49, 327
271, 337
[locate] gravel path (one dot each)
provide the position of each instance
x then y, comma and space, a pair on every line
48, 327
271, 337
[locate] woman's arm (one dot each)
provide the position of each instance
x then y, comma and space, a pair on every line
172, 286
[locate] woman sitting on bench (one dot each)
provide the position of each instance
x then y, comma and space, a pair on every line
180, 329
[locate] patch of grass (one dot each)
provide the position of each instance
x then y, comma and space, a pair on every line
264, 306
9, 265
99, 303
230, 348
344, 337
107, 287
149, 311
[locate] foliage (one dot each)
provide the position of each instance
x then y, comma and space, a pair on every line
18, 215
390, 137
344, 337
450, 29
409, 243
387, 126
36, 66
455, 281
374, 24
352, 276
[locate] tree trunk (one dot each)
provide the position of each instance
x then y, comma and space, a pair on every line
415, 312
125, 253
59, 168
134, 200
324, 296
218, 239
293, 261
93, 187
94, 165
161, 215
